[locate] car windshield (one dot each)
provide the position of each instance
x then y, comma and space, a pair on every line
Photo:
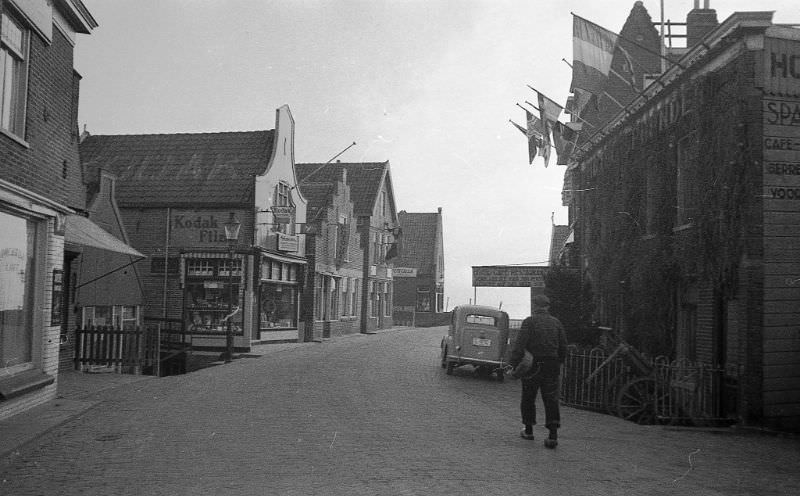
481, 319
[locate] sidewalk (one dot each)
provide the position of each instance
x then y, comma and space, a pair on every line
78, 392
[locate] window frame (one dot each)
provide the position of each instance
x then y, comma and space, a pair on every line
19, 80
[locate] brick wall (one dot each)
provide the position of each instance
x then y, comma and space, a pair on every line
51, 129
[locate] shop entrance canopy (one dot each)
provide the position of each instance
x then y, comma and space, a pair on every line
80, 231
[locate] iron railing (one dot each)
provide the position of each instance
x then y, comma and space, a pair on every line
655, 391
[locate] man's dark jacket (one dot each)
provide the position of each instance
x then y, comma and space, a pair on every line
543, 336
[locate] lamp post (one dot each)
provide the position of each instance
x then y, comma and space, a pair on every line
231, 235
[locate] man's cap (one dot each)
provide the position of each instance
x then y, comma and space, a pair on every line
541, 301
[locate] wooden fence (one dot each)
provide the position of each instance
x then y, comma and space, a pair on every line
160, 347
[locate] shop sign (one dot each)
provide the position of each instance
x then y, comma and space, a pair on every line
404, 272
508, 276
282, 214
200, 228
56, 313
288, 242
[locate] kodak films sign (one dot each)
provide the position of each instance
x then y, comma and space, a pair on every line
200, 228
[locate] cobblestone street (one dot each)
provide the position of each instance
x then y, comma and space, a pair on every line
372, 414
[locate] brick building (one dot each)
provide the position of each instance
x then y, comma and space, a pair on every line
686, 215
375, 216
40, 188
419, 269
332, 305
177, 191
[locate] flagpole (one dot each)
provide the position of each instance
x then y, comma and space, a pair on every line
539, 92
663, 58
663, 45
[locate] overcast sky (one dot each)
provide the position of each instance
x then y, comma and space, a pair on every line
427, 85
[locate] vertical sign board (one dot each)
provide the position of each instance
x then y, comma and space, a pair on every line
781, 145
781, 183
56, 314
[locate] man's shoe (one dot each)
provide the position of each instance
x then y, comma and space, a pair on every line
525, 435
550, 443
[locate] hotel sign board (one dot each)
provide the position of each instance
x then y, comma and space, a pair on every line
508, 276
781, 66
404, 272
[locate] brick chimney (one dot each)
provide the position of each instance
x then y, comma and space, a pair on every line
699, 22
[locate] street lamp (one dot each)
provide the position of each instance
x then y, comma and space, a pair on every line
231, 235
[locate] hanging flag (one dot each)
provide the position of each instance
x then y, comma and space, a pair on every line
550, 110
592, 52
580, 101
565, 137
532, 141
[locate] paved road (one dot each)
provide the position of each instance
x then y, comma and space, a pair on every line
373, 415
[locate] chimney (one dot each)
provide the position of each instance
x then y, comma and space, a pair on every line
440, 210
699, 22
85, 134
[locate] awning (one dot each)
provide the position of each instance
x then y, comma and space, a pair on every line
79, 230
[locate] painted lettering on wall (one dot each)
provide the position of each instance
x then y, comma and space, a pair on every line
784, 193
782, 144
785, 65
782, 168
199, 228
782, 113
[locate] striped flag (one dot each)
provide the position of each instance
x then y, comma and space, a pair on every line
592, 51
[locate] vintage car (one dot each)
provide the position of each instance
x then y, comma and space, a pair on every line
477, 336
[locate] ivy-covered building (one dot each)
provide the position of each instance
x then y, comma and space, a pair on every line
685, 208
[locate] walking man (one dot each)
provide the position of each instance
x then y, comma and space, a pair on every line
542, 335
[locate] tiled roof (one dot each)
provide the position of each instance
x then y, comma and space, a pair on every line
317, 194
185, 169
418, 239
364, 180
560, 235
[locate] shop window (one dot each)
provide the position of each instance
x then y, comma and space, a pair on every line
13, 75
17, 288
278, 306
200, 267
212, 293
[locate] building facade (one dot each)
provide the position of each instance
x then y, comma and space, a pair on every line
40, 186
419, 269
332, 304
177, 192
686, 213
376, 224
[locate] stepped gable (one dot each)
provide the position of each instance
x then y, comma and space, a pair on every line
364, 180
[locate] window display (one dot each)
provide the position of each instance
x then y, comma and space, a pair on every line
278, 306
207, 295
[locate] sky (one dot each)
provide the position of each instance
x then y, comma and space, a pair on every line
428, 85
